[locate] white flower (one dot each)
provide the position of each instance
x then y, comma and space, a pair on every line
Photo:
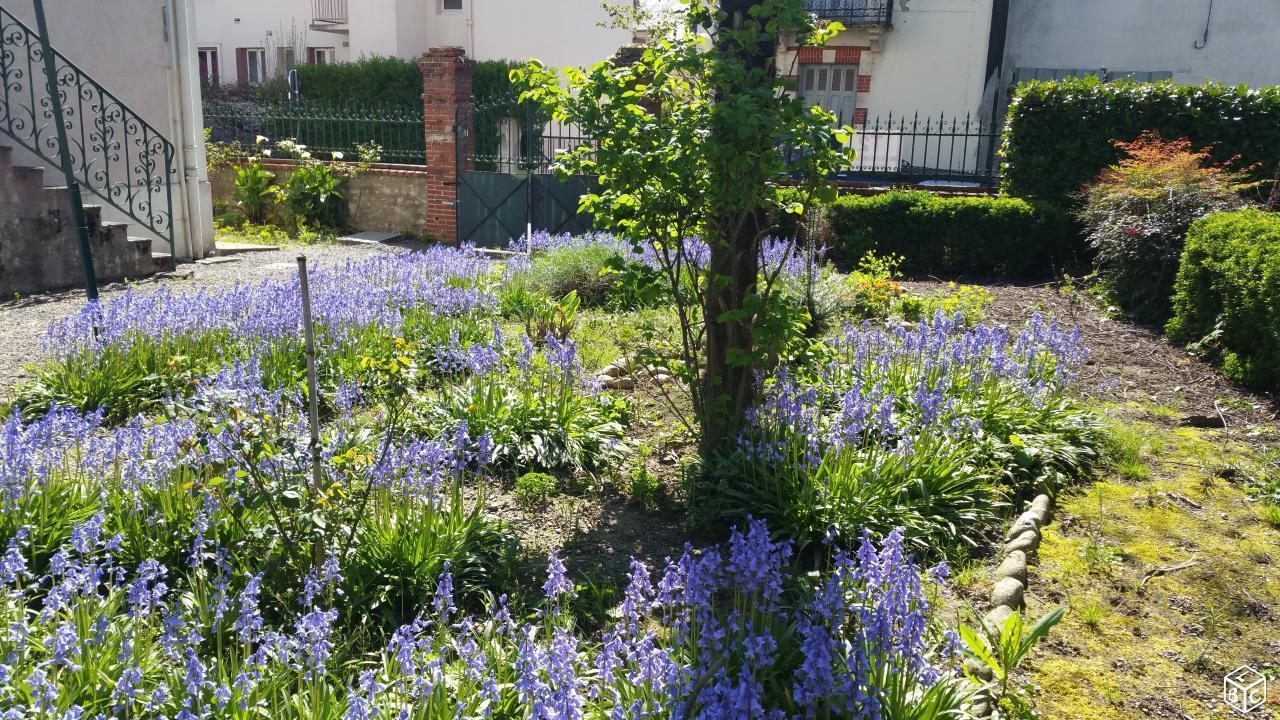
266, 153
338, 156
261, 139
305, 155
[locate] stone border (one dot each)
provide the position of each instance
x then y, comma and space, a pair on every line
1008, 595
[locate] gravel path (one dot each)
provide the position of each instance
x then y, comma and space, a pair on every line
23, 321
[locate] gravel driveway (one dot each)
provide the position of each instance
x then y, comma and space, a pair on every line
23, 321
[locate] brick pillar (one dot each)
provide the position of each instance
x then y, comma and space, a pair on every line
446, 96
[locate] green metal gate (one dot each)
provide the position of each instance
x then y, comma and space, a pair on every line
505, 183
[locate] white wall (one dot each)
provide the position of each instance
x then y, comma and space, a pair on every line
932, 61
557, 32
123, 46
1150, 35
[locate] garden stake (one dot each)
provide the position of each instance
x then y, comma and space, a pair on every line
313, 398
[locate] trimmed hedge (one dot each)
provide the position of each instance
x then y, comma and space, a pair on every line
1060, 134
379, 81
1227, 296
974, 236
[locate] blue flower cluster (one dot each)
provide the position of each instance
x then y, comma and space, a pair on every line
725, 632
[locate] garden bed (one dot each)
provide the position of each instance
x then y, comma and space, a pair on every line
597, 511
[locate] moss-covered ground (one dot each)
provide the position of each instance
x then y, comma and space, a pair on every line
1170, 569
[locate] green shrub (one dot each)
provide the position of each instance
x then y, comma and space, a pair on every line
580, 268
370, 80
983, 236
1059, 134
1137, 214
534, 488
1227, 295
255, 190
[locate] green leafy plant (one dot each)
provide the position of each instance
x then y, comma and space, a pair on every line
545, 317
1001, 650
1224, 297
1136, 216
312, 195
969, 301
255, 188
534, 488
689, 138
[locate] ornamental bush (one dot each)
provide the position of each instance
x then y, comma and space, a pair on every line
1138, 212
1227, 296
1060, 134
978, 236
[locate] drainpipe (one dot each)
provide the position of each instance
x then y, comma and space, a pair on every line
189, 131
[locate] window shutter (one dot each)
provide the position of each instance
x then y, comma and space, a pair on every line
242, 65
311, 56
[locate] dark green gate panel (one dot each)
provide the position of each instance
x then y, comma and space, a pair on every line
492, 208
555, 204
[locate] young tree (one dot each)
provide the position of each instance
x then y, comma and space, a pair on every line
694, 140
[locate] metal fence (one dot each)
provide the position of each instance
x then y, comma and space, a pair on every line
324, 129
329, 11
862, 12
925, 150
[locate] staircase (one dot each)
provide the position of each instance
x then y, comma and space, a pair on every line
39, 249
115, 155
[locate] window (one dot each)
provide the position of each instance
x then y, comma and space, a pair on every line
210, 69
833, 87
450, 5
251, 66
322, 56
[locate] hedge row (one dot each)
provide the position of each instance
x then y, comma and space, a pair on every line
383, 81
1060, 134
953, 236
1227, 296
379, 81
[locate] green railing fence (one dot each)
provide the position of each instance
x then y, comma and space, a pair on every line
323, 128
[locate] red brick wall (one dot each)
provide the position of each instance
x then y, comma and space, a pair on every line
446, 78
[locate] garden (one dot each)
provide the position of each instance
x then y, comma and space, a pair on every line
735, 455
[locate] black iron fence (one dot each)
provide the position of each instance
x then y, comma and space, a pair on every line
858, 12
925, 150
324, 129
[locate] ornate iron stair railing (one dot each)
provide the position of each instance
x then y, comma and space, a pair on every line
117, 155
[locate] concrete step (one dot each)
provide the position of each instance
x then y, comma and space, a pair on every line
28, 183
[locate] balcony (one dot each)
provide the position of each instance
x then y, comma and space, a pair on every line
328, 12
853, 12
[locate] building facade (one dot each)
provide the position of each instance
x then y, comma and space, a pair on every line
1190, 41
248, 41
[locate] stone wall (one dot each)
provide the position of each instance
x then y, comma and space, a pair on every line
391, 198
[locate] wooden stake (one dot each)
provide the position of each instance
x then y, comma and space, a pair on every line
313, 394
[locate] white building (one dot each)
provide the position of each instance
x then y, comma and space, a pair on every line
247, 41
1190, 41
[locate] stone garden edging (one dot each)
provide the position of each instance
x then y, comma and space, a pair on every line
1008, 594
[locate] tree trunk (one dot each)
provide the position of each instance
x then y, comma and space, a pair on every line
1273, 204
734, 229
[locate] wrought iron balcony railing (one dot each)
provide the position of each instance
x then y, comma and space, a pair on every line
115, 154
329, 11
856, 12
